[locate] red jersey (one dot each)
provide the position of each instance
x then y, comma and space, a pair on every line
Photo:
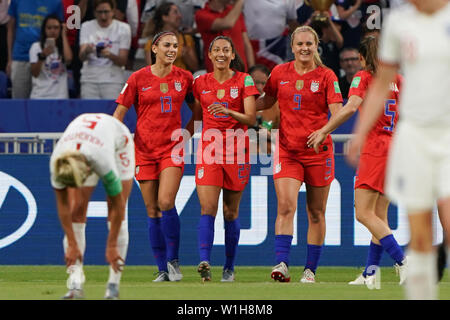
158, 103
303, 101
207, 90
379, 138
205, 18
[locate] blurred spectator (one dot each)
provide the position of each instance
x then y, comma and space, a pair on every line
352, 12
186, 7
48, 59
267, 119
104, 46
4, 4
219, 17
270, 41
350, 63
331, 41
304, 12
24, 28
167, 17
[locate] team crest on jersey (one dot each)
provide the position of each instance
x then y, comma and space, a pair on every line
164, 87
299, 85
200, 173
178, 86
234, 92
315, 86
220, 93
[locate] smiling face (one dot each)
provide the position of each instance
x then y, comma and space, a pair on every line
304, 46
166, 49
221, 54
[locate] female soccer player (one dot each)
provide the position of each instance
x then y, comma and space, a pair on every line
93, 146
306, 90
157, 93
416, 38
225, 99
371, 205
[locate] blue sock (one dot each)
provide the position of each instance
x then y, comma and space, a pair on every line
170, 225
282, 248
313, 253
392, 248
232, 233
373, 259
157, 243
206, 236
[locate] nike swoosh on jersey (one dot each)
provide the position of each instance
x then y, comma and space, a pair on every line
205, 92
284, 82
145, 89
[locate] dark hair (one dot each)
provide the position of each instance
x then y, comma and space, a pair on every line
112, 3
58, 41
368, 48
259, 67
155, 42
162, 10
236, 63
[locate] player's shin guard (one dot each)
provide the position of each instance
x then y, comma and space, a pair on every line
313, 254
76, 274
170, 225
421, 276
206, 236
282, 248
232, 234
157, 243
122, 247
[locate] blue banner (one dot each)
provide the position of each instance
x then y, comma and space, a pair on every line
30, 232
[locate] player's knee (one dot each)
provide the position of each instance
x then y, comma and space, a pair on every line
361, 217
286, 208
230, 215
152, 210
165, 204
316, 215
209, 208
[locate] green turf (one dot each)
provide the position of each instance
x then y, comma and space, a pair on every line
252, 283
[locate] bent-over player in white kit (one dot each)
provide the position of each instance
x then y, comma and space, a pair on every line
416, 39
94, 146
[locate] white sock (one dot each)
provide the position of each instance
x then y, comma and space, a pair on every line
421, 279
122, 246
76, 278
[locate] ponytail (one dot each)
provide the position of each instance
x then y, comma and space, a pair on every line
71, 169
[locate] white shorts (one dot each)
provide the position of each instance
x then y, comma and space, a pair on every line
418, 170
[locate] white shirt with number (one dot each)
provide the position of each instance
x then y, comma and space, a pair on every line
105, 142
51, 83
114, 37
420, 45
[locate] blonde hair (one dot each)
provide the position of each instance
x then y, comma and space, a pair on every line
317, 59
71, 168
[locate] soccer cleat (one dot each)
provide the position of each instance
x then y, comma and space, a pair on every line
74, 294
205, 271
361, 280
112, 291
174, 270
162, 276
401, 270
227, 276
280, 273
308, 276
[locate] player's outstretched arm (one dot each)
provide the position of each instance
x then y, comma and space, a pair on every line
316, 138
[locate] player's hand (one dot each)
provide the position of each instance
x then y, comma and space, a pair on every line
353, 151
315, 139
216, 108
114, 259
72, 255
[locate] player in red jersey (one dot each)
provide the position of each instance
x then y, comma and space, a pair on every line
157, 93
371, 205
306, 91
225, 100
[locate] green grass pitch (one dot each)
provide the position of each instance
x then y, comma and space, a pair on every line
252, 283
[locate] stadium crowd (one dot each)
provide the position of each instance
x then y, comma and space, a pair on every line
100, 43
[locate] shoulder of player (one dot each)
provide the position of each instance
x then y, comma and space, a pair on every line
182, 72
